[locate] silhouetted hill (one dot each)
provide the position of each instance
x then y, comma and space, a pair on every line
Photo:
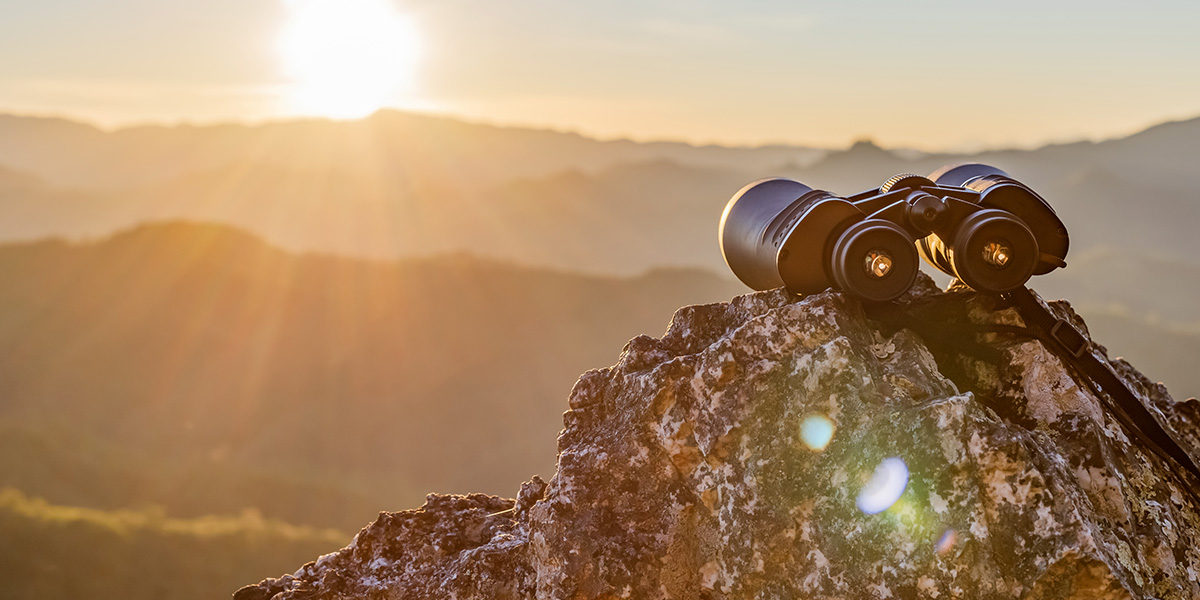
851, 170
392, 185
398, 185
420, 146
1101, 279
616, 220
1155, 156
32, 208
1169, 352
202, 361
12, 180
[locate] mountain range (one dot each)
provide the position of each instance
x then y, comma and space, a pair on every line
398, 185
387, 307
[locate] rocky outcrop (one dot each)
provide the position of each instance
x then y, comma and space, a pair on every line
774, 447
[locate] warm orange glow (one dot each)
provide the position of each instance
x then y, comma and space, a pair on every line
349, 58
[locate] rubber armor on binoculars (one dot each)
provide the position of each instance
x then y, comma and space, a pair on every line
972, 221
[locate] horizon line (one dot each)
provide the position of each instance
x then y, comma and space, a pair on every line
253, 123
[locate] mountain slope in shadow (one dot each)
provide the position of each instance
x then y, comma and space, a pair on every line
217, 359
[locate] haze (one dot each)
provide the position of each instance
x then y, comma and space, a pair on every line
929, 75
366, 247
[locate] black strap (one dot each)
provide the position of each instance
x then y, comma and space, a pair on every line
1062, 338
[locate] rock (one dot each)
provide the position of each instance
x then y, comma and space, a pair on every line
756, 449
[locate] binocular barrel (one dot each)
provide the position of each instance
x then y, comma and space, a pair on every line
752, 231
973, 222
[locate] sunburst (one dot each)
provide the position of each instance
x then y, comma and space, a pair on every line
348, 58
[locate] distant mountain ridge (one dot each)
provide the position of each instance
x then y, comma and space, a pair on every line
73, 154
399, 185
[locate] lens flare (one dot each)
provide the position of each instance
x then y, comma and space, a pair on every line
885, 487
816, 432
946, 543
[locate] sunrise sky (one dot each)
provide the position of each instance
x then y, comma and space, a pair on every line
929, 74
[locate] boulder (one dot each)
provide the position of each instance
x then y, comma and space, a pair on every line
784, 447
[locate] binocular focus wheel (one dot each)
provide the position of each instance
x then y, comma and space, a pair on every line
874, 260
994, 252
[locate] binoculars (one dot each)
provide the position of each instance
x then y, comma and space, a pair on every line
971, 221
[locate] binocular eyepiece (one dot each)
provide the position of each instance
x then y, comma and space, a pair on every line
972, 221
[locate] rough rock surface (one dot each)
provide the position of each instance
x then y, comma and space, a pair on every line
684, 471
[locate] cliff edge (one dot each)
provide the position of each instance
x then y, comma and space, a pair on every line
774, 447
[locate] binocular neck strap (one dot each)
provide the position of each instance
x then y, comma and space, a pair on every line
1072, 347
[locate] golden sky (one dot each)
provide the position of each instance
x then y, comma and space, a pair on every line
926, 74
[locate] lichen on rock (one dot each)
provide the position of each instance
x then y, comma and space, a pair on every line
685, 471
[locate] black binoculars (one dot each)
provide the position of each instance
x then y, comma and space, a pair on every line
971, 221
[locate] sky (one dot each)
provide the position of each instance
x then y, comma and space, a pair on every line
929, 74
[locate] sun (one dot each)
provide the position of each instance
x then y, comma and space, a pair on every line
347, 58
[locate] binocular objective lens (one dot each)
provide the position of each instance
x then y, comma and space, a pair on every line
996, 253
878, 264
